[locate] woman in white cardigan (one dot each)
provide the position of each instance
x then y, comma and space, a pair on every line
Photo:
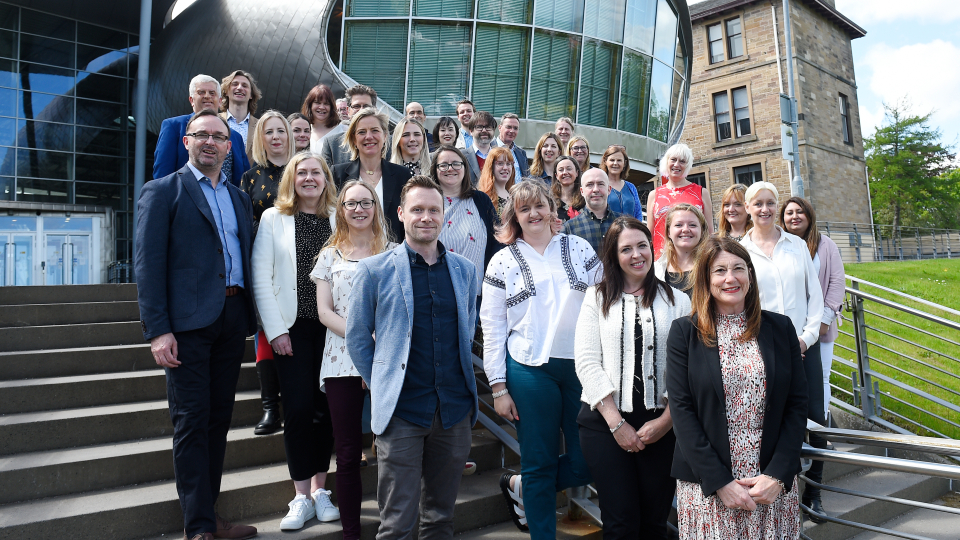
291, 235
625, 425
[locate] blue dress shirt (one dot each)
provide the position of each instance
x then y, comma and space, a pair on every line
221, 206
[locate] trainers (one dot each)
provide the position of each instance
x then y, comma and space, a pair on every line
325, 509
301, 510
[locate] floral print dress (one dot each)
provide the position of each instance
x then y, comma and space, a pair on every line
744, 383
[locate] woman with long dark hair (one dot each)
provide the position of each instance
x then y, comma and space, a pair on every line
320, 110
545, 156
566, 190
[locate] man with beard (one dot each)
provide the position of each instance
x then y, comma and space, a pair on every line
482, 127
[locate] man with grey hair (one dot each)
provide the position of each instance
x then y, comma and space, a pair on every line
509, 129
171, 154
343, 110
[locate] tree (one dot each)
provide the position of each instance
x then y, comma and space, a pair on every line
909, 180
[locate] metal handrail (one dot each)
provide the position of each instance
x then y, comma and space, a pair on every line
905, 295
897, 441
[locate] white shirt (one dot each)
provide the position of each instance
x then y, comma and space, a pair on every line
317, 146
531, 302
788, 283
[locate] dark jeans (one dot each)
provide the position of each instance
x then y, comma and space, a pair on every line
635, 489
345, 397
813, 369
201, 392
307, 431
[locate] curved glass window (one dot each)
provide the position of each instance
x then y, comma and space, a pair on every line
500, 68
559, 14
660, 92
598, 83
604, 19
439, 66
378, 8
376, 55
553, 75
454, 9
641, 19
508, 11
634, 92
666, 34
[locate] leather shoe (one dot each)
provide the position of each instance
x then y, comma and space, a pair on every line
816, 512
270, 423
225, 529
202, 536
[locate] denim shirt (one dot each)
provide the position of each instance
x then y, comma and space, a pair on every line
225, 216
434, 375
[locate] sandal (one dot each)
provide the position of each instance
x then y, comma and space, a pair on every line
514, 501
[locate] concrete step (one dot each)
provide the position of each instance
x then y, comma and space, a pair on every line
77, 313
871, 511
58, 294
927, 523
583, 529
33, 338
83, 361
34, 395
52, 430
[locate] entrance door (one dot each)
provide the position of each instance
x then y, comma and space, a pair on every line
17, 259
67, 258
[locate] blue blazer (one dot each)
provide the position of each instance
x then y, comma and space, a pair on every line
171, 155
521, 156
179, 258
381, 300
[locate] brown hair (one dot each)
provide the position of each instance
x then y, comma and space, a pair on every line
257, 150
418, 181
669, 253
613, 149
704, 309
610, 288
736, 191
528, 189
287, 200
811, 236
361, 89
255, 93
340, 239
556, 189
536, 167
482, 117
318, 93
466, 185
487, 182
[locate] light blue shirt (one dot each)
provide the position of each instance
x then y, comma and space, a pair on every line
221, 205
241, 127
467, 139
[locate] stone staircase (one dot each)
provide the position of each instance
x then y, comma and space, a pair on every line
85, 435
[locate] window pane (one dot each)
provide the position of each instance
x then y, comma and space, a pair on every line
43, 24
100, 195
47, 51
98, 113
6, 189
698, 179
100, 141
560, 14
604, 19
103, 37
556, 58
660, 92
8, 44
666, 35
715, 37
679, 62
634, 92
8, 161
499, 79
43, 164
439, 66
101, 87
741, 111
51, 80
598, 83
37, 106
748, 174
8, 132
721, 108
95, 59
8, 73
8, 102
375, 54
735, 38
640, 22
44, 135
714, 33
101, 169
677, 101
9, 18
30, 190
512, 11
456, 9
378, 8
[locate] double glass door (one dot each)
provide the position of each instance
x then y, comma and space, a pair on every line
18, 256
66, 259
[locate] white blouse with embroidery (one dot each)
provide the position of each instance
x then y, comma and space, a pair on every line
531, 302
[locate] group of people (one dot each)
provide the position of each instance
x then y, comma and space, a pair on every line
658, 350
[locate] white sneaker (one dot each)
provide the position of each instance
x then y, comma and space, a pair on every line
325, 509
301, 510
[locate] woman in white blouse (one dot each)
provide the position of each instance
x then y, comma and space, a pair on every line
789, 285
359, 233
532, 293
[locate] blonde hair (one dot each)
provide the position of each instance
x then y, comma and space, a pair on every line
569, 150
348, 138
669, 254
736, 191
680, 151
757, 187
529, 189
397, 157
340, 239
287, 200
257, 150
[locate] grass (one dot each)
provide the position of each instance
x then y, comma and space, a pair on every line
921, 354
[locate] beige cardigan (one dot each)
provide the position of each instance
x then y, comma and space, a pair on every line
604, 348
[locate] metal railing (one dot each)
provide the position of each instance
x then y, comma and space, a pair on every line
120, 272
862, 242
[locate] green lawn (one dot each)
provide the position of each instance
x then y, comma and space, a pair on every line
924, 357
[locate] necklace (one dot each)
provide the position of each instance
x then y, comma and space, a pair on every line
635, 290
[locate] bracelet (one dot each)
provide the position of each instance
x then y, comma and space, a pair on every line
614, 430
783, 488
500, 393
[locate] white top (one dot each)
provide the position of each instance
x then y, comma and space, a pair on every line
788, 283
316, 146
531, 302
464, 231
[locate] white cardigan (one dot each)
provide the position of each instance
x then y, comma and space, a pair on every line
604, 350
275, 273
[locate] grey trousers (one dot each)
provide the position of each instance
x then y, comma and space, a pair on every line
420, 467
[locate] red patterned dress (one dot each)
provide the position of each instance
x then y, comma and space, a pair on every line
744, 383
666, 197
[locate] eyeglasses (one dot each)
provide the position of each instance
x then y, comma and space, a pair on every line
456, 165
366, 204
578, 148
204, 137
483, 128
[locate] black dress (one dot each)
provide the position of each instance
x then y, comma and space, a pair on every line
311, 232
261, 184
678, 280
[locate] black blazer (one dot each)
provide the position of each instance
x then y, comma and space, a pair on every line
698, 405
179, 258
394, 178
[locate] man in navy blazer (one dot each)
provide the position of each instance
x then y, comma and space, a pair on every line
194, 288
171, 154
420, 300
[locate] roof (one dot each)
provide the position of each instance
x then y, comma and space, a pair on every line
709, 8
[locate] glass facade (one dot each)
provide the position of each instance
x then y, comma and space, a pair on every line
66, 125
607, 63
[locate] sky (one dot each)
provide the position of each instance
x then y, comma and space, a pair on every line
911, 51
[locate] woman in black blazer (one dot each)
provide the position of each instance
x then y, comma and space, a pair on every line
738, 396
367, 138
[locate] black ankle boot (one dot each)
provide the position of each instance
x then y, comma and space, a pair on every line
816, 510
270, 395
